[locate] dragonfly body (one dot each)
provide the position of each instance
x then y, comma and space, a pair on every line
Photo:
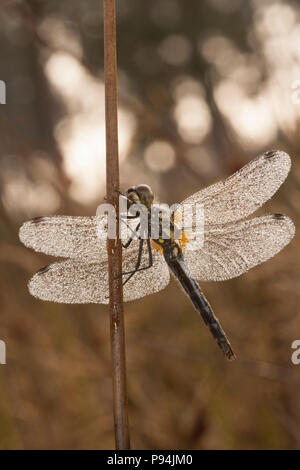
164, 225
233, 243
175, 260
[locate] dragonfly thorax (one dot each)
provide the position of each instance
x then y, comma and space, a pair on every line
161, 224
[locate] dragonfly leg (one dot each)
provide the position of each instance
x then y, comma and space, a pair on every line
133, 231
137, 267
138, 263
132, 236
150, 259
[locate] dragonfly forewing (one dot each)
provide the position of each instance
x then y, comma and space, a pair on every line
244, 192
65, 236
70, 236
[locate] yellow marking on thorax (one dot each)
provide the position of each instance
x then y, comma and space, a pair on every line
157, 247
183, 240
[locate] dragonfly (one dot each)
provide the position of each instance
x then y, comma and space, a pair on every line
233, 243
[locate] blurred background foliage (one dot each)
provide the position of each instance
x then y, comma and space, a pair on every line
203, 88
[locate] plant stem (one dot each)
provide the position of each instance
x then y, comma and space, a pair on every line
114, 247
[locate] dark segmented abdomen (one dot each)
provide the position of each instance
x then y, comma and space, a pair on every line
174, 258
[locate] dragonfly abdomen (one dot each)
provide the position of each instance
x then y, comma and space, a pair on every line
175, 260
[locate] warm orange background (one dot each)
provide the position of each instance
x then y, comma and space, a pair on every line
203, 88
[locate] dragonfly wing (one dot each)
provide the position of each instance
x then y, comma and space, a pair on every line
71, 237
74, 281
66, 236
234, 248
243, 192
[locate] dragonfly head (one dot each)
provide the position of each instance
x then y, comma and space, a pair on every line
141, 194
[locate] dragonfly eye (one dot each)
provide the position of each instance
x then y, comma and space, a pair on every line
145, 194
131, 190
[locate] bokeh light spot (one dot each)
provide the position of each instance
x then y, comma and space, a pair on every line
175, 50
193, 118
160, 156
